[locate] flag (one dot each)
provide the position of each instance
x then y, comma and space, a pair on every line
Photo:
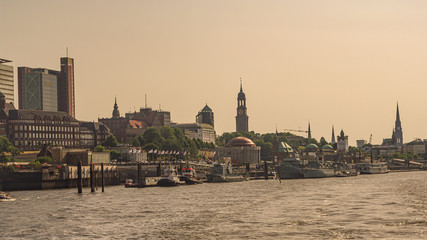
163, 152
155, 151
130, 151
185, 153
167, 152
151, 151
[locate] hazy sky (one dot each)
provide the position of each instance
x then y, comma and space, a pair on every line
341, 63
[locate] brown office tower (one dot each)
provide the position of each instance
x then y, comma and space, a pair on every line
66, 87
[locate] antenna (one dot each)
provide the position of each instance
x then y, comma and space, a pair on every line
67, 52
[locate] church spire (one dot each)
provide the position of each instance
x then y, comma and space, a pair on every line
241, 88
333, 135
116, 113
309, 131
397, 115
397, 132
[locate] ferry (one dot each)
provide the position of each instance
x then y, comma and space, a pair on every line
189, 176
223, 173
372, 168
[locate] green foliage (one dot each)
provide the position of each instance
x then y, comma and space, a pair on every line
45, 159
114, 154
266, 149
150, 146
99, 148
9, 168
7, 147
110, 142
136, 142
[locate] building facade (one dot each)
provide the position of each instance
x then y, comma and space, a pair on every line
242, 119
240, 150
38, 88
202, 131
6, 80
342, 143
206, 115
66, 87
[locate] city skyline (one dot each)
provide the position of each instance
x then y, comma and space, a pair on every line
366, 57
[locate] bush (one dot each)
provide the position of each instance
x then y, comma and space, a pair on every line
42, 160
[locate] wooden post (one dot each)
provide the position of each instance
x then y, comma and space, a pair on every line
102, 176
266, 170
139, 175
159, 170
92, 186
79, 176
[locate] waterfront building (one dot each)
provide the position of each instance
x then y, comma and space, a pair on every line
397, 136
152, 118
240, 150
202, 131
417, 146
66, 95
93, 134
6, 80
29, 129
4, 114
206, 116
242, 119
342, 143
38, 88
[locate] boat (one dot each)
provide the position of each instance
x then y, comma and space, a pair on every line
343, 169
316, 169
372, 168
130, 183
189, 176
5, 197
169, 178
290, 168
221, 172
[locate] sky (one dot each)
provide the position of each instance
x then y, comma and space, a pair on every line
329, 62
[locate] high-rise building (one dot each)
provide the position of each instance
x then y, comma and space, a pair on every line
66, 87
38, 88
6, 80
242, 119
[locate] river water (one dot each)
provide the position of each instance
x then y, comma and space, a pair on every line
388, 206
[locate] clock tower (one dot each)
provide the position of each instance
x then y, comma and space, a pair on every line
242, 115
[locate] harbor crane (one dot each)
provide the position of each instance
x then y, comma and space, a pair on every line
295, 130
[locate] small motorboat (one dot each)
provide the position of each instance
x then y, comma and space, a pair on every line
130, 183
5, 197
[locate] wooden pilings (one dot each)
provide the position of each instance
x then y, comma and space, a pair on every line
266, 170
139, 175
92, 178
102, 176
79, 177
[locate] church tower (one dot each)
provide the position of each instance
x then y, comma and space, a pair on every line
242, 115
333, 136
116, 113
397, 137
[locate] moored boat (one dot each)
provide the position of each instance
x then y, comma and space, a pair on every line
189, 176
372, 168
223, 173
170, 178
290, 168
5, 197
316, 169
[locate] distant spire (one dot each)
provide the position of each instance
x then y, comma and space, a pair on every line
397, 114
309, 131
333, 135
241, 88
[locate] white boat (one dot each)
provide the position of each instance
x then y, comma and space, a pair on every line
372, 168
170, 177
5, 197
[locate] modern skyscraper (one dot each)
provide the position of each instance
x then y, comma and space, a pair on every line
6, 80
37, 88
242, 119
397, 137
66, 87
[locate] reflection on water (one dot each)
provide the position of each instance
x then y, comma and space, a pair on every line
367, 206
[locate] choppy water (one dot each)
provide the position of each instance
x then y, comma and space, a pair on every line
390, 206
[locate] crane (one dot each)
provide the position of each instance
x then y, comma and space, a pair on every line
294, 130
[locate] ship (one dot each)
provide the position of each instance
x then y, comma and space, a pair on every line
221, 172
372, 168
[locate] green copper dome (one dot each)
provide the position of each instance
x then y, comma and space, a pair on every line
327, 146
312, 147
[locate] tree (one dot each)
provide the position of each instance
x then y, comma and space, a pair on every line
7, 147
110, 142
172, 144
136, 143
167, 133
44, 159
99, 148
322, 142
150, 146
114, 154
151, 135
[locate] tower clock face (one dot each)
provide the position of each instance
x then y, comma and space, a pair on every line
241, 112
